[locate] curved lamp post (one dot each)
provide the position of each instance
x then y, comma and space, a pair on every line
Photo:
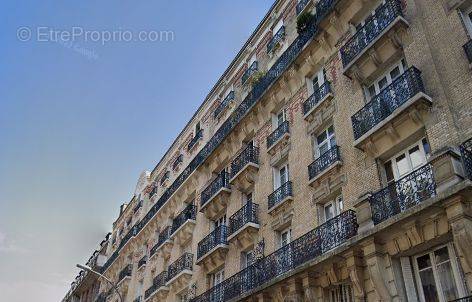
90, 270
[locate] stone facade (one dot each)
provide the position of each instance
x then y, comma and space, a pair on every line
332, 173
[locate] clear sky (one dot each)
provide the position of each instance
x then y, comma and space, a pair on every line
80, 119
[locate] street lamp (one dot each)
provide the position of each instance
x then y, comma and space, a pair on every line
113, 285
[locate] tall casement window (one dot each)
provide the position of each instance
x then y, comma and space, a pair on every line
247, 259
279, 118
281, 175
324, 141
438, 276
316, 81
406, 161
247, 197
285, 237
215, 279
386, 79
219, 222
340, 293
198, 127
331, 209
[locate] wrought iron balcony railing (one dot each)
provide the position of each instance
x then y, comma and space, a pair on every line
142, 261
220, 182
301, 4
325, 237
250, 154
165, 177
189, 213
390, 98
157, 282
223, 104
468, 50
247, 214
323, 8
465, 299
198, 136
277, 134
276, 39
403, 194
316, 97
125, 272
153, 191
185, 262
466, 154
163, 236
384, 16
276, 197
218, 236
249, 71
325, 160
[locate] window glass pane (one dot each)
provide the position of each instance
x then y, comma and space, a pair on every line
383, 83
371, 90
332, 142
429, 286
316, 85
448, 284
402, 165
395, 73
323, 148
331, 130
423, 262
388, 171
417, 157
321, 138
329, 211
426, 147
441, 255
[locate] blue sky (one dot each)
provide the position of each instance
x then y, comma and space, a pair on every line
80, 120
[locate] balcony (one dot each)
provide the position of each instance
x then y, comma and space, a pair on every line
125, 274
323, 164
142, 262
278, 137
280, 196
468, 50
403, 194
306, 248
177, 162
224, 104
244, 168
322, 94
215, 197
373, 44
302, 5
404, 97
158, 290
249, 72
164, 244
212, 249
183, 225
180, 272
243, 225
276, 40
466, 154
193, 142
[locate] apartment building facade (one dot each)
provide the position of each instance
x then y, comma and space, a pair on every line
331, 162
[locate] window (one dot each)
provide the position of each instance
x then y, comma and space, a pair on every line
407, 161
467, 17
252, 60
317, 81
386, 79
325, 141
277, 27
340, 293
437, 275
219, 222
247, 259
332, 208
281, 176
279, 118
197, 128
247, 197
217, 278
285, 237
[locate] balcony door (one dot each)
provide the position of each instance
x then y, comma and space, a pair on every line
215, 279
317, 81
406, 161
386, 79
332, 208
219, 222
438, 276
281, 176
324, 141
278, 119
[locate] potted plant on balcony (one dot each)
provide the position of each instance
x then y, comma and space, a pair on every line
256, 77
303, 21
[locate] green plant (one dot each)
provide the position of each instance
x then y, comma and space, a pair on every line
303, 20
257, 76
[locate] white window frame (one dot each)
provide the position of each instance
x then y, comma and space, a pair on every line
456, 272
217, 277
277, 175
219, 221
401, 64
252, 59
277, 26
337, 205
320, 77
245, 258
275, 118
316, 145
406, 153
288, 233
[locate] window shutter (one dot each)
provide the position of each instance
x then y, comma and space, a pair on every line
408, 279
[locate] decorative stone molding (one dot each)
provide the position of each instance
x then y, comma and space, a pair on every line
447, 169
